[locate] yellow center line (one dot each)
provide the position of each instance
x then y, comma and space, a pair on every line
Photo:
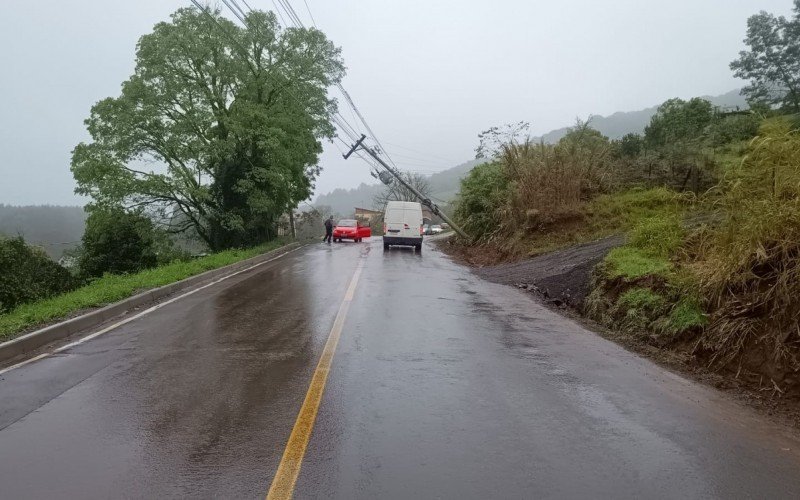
286, 476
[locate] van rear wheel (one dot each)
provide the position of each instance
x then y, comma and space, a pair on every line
418, 247
386, 246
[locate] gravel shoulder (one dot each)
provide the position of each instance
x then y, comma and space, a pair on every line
560, 277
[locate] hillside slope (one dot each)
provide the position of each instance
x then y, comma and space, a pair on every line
445, 184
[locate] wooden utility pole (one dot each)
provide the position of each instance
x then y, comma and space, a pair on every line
425, 201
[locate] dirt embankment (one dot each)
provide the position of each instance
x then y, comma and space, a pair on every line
561, 277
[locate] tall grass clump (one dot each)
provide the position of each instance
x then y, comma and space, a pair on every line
550, 183
531, 186
750, 266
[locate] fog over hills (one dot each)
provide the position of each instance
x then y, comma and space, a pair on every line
445, 184
54, 228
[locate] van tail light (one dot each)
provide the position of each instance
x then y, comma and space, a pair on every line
384, 228
420, 230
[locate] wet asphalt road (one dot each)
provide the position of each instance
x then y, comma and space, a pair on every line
442, 386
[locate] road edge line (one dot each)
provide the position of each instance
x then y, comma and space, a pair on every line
286, 475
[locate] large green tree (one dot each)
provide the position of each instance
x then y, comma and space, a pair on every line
219, 128
772, 62
679, 121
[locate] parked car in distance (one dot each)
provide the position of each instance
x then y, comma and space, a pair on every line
351, 229
402, 224
436, 229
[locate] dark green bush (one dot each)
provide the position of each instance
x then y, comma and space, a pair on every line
483, 193
117, 242
733, 128
27, 274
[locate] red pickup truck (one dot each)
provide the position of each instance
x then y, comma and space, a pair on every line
351, 229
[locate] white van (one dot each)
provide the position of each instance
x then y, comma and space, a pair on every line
402, 224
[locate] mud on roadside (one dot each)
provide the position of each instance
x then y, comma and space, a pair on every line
561, 279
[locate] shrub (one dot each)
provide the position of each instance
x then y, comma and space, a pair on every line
117, 242
734, 128
483, 193
27, 274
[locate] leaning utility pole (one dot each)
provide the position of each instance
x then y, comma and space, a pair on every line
425, 201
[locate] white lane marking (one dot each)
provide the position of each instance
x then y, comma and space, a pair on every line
23, 363
139, 315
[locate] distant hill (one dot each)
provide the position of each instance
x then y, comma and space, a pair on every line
621, 123
445, 184
54, 228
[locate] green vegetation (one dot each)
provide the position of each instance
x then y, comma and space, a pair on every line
117, 242
633, 263
734, 286
483, 193
660, 236
111, 288
620, 211
726, 279
749, 266
772, 64
677, 120
28, 274
218, 130
641, 298
686, 315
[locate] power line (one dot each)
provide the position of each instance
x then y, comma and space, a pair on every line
340, 120
277, 11
237, 11
310, 14
299, 23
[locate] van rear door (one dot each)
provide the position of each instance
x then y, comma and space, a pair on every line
403, 220
395, 220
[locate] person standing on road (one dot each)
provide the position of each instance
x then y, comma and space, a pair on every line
328, 230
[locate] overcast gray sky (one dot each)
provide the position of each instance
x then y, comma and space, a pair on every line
428, 76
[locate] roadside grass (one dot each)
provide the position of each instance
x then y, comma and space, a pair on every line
603, 216
641, 298
622, 210
111, 288
609, 214
632, 264
686, 315
640, 288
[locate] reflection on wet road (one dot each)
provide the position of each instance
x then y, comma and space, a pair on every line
442, 386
